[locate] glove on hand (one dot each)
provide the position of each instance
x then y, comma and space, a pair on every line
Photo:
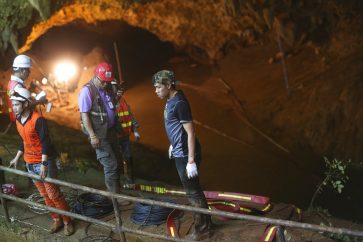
192, 170
137, 136
170, 152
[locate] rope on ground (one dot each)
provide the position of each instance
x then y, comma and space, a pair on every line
283, 63
221, 133
7, 149
31, 225
98, 238
239, 110
93, 205
69, 196
36, 197
6, 130
241, 114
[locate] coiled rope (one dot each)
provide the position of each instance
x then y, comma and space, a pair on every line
93, 205
145, 214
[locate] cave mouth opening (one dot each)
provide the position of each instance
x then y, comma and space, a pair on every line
141, 53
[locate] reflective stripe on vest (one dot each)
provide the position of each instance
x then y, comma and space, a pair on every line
123, 113
32, 143
125, 125
124, 117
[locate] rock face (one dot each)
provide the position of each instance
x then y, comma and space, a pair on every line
203, 24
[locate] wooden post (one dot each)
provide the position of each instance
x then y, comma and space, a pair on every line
118, 62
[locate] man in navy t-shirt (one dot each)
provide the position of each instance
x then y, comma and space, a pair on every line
184, 147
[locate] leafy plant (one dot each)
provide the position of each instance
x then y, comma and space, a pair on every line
82, 165
335, 177
340, 237
64, 159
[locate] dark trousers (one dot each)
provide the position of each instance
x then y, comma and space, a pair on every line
191, 186
202, 222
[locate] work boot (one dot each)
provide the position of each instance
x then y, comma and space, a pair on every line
202, 222
57, 224
68, 229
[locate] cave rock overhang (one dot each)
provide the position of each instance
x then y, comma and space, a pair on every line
202, 25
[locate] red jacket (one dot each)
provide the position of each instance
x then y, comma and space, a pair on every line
125, 118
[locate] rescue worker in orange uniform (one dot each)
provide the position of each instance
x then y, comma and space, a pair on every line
128, 125
39, 156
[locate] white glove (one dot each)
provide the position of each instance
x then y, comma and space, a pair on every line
137, 136
170, 152
192, 170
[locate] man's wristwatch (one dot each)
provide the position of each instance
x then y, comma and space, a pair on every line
45, 163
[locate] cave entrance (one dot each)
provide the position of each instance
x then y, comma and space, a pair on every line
141, 53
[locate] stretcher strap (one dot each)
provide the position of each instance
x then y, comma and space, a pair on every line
269, 234
172, 229
259, 203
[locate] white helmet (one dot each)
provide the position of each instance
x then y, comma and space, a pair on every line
21, 94
22, 61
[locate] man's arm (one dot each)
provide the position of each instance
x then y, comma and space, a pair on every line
43, 134
14, 162
191, 141
95, 142
191, 168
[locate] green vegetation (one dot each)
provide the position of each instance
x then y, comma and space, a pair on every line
335, 178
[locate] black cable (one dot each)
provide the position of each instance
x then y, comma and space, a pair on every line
93, 205
145, 214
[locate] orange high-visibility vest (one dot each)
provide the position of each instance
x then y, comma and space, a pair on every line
11, 85
32, 143
124, 117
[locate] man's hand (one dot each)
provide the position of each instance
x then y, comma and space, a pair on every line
170, 152
192, 170
95, 142
13, 163
43, 172
137, 136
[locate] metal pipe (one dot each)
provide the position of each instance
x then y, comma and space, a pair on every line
3, 201
286, 223
92, 220
118, 220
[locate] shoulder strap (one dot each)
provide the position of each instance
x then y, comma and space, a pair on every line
92, 89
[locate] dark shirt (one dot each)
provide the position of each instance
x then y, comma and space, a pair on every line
177, 111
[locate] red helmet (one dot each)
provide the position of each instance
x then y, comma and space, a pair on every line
104, 72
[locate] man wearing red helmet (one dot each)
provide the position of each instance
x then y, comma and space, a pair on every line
98, 122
